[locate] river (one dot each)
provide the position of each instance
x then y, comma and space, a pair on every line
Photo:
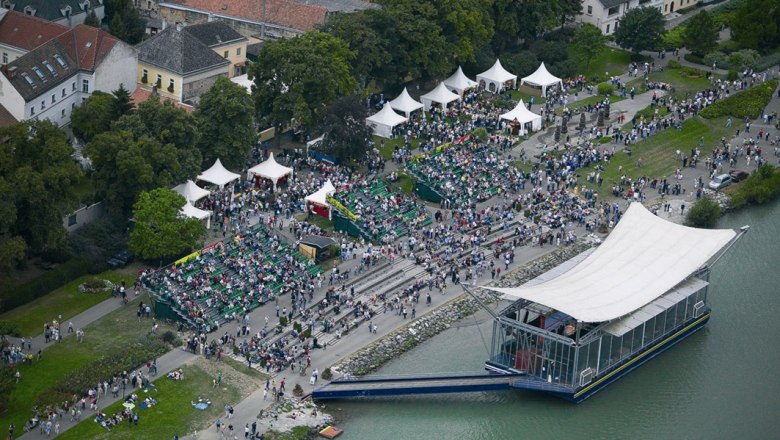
721, 383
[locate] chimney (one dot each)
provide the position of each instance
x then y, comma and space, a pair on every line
11, 72
179, 26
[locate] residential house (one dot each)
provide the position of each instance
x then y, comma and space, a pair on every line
605, 14
20, 33
178, 65
50, 80
675, 5
223, 40
65, 12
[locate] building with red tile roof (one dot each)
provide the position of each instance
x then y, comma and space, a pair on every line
20, 33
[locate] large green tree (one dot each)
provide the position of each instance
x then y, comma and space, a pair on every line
298, 77
588, 42
160, 230
704, 214
700, 34
226, 124
345, 129
95, 115
124, 21
756, 25
568, 10
640, 29
523, 20
37, 176
467, 25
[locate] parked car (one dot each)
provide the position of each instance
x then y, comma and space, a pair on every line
738, 175
121, 259
720, 182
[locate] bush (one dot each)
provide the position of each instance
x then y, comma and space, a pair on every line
12, 296
565, 69
551, 52
767, 61
297, 390
522, 64
297, 327
481, 134
327, 374
605, 89
762, 186
169, 337
673, 64
704, 214
692, 72
674, 38
732, 75
728, 46
744, 59
748, 103
9, 329
605, 139
283, 321
97, 242
718, 58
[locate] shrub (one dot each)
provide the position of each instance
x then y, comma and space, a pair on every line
762, 186
748, 103
12, 295
551, 52
297, 327
297, 390
745, 59
605, 89
9, 329
673, 64
728, 46
717, 58
481, 134
283, 321
327, 374
674, 38
566, 69
704, 214
169, 337
692, 72
605, 139
522, 64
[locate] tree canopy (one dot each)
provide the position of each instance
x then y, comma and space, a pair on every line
226, 124
700, 34
640, 29
160, 231
124, 21
704, 214
588, 42
97, 113
344, 126
756, 25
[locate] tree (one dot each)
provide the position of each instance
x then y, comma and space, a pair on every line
704, 214
756, 25
467, 25
700, 34
94, 116
298, 77
92, 20
122, 104
568, 10
588, 42
345, 129
160, 230
744, 59
640, 29
226, 125
124, 21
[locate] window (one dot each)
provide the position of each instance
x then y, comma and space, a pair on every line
60, 61
63, 92
43, 105
613, 10
607, 30
72, 220
73, 86
39, 73
85, 86
5, 57
171, 83
50, 68
159, 80
53, 99
32, 111
238, 51
29, 79
590, 10
62, 113
226, 54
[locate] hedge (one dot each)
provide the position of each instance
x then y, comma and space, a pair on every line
748, 103
14, 295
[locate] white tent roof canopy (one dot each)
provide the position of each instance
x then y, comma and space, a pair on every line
243, 80
190, 211
384, 120
320, 197
542, 78
497, 76
643, 258
459, 81
191, 192
218, 175
271, 169
521, 113
440, 95
405, 103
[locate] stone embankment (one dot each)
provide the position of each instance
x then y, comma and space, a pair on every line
373, 356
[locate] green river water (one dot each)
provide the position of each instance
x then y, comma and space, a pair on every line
721, 383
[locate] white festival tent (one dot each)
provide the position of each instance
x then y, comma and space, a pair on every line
643, 258
459, 82
320, 197
541, 78
439, 95
190, 211
270, 169
218, 175
243, 80
384, 120
496, 77
191, 192
405, 104
524, 116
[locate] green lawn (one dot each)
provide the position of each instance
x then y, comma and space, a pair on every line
66, 301
387, 151
104, 336
518, 95
609, 62
404, 183
682, 83
174, 413
588, 99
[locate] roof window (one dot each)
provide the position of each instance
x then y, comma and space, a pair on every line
50, 68
39, 73
60, 61
28, 79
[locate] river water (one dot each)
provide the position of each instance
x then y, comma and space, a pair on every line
721, 383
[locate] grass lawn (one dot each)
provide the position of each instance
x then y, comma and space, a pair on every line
518, 95
609, 62
659, 152
104, 336
174, 413
319, 221
386, 151
66, 301
681, 82
405, 183
588, 99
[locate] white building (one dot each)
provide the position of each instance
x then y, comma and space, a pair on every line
604, 14
65, 12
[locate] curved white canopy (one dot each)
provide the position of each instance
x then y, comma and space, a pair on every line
218, 175
384, 120
320, 197
496, 77
192, 212
270, 169
523, 116
459, 82
643, 258
541, 78
439, 95
405, 103
191, 192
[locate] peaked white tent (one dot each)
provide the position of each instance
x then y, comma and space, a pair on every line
270, 169
439, 95
384, 120
192, 212
644, 257
541, 78
191, 192
496, 77
459, 82
405, 103
524, 116
218, 175
320, 199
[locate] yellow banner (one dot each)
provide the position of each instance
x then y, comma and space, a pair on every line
341, 207
187, 258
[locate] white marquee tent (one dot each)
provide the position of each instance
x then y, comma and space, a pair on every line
320, 198
405, 103
244, 81
218, 175
644, 257
384, 120
191, 192
439, 95
459, 82
192, 212
524, 116
270, 169
496, 77
541, 78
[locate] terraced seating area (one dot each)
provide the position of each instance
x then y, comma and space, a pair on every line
382, 213
233, 277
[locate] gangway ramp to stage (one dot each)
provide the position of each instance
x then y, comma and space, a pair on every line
413, 385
